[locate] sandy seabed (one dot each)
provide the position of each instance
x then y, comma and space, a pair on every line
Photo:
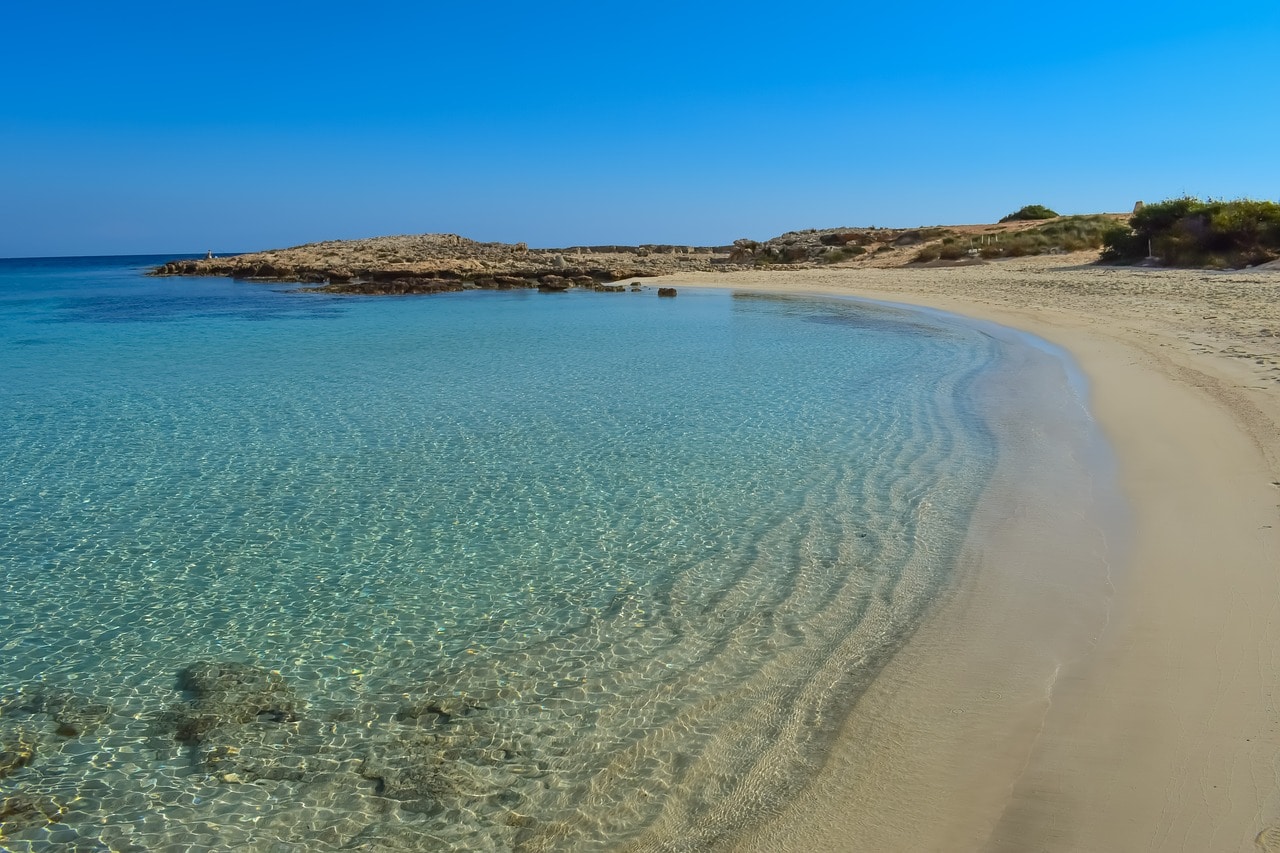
1165, 734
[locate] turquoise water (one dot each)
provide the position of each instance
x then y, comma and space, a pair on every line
525, 571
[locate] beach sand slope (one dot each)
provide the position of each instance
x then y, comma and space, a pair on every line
1165, 736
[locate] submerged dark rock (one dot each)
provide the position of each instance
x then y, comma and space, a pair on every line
308, 752
438, 710
25, 811
14, 755
74, 714
227, 694
666, 291
429, 753
413, 770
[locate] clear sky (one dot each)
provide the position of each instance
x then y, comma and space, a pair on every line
179, 127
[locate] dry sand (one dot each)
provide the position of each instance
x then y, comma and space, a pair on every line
1165, 735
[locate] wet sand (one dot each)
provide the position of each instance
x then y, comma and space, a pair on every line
1164, 733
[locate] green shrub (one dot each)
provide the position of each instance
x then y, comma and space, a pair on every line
1120, 243
1189, 232
928, 253
1030, 212
1157, 218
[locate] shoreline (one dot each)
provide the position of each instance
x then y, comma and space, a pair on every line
1165, 736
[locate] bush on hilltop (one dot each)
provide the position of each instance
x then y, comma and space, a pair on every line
1030, 212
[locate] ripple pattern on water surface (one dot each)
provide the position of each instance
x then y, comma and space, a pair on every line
478, 572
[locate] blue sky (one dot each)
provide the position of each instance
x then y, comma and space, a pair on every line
137, 127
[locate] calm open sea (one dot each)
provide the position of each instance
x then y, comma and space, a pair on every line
478, 571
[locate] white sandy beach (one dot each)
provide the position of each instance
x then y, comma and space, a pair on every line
1166, 734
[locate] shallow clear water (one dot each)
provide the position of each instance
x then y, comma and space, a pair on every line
530, 571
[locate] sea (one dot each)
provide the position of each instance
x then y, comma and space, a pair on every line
494, 570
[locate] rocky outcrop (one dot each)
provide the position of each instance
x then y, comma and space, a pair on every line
439, 263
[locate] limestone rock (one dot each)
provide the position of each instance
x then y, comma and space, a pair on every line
509, 282
554, 283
